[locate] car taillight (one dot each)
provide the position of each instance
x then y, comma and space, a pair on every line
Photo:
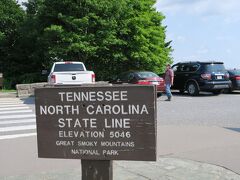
93, 77
142, 82
68, 62
206, 76
53, 78
237, 77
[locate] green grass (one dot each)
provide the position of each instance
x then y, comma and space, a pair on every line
7, 90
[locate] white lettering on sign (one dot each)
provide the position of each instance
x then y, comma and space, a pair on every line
117, 144
82, 134
93, 96
64, 143
110, 152
87, 143
59, 109
117, 109
117, 123
77, 123
85, 152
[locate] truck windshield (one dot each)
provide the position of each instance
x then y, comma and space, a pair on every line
68, 67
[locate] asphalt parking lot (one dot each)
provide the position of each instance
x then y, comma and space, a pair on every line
205, 128
203, 110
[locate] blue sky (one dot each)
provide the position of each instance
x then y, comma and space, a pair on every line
203, 30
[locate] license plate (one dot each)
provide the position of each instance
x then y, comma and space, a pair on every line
219, 77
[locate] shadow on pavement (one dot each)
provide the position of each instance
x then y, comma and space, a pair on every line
233, 129
202, 94
28, 100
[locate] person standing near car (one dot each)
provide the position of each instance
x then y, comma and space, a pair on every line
168, 77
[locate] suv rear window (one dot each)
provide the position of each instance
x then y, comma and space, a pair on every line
68, 67
214, 67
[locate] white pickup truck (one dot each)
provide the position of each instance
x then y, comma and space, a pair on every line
70, 73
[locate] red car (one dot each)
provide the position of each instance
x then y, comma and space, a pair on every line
141, 77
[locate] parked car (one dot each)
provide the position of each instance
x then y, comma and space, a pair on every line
141, 77
70, 73
197, 76
234, 76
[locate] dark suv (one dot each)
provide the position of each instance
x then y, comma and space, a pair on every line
200, 76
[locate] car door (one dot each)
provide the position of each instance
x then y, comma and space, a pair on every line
177, 76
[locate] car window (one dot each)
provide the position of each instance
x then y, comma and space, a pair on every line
146, 74
175, 68
194, 67
185, 68
130, 76
123, 77
68, 67
234, 72
214, 67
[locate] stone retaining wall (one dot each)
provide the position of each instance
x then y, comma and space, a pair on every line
24, 90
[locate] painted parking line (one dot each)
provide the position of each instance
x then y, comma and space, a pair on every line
17, 111
17, 121
3, 117
13, 136
17, 128
13, 108
13, 105
10, 102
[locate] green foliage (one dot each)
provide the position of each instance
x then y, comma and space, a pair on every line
7, 84
108, 36
11, 16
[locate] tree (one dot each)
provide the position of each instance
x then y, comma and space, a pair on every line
108, 36
11, 16
25, 58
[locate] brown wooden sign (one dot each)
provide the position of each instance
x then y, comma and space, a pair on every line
97, 123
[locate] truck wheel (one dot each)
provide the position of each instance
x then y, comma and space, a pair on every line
192, 89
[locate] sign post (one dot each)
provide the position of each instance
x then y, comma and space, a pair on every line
96, 170
97, 124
